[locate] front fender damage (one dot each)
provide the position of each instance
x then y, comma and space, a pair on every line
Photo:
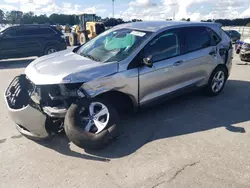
125, 82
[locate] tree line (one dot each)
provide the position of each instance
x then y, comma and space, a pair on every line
233, 22
18, 17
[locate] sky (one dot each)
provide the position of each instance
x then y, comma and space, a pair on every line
196, 10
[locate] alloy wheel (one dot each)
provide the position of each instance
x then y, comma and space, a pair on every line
51, 50
218, 81
96, 118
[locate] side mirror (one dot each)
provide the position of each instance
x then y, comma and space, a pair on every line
148, 61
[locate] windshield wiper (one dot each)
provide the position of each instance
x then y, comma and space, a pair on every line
91, 57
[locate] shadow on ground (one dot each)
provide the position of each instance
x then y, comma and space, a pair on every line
184, 115
16, 63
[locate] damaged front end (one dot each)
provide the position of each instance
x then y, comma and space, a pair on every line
39, 111
245, 52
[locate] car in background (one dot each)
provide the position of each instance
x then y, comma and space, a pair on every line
234, 35
30, 40
238, 45
245, 50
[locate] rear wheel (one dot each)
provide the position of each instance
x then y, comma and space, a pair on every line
50, 50
83, 38
216, 81
91, 124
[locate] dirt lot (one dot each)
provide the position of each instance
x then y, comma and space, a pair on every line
192, 141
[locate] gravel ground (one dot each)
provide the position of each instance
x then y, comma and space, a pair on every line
192, 141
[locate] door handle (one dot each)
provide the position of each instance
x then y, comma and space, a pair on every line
178, 63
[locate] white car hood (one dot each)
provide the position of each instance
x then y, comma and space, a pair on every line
67, 67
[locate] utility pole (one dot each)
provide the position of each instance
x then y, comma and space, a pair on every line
173, 16
113, 4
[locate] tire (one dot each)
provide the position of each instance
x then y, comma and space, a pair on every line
75, 129
50, 49
83, 38
73, 39
210, 90
237, 51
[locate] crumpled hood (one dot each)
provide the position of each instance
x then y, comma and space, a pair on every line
67, 67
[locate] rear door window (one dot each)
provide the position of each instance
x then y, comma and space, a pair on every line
45, 31
196, 38
25, 32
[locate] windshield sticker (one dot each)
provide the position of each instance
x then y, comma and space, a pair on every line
138, 33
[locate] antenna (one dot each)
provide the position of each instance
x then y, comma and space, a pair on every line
113, 4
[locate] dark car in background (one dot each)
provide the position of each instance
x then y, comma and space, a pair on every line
234, 35
30, 40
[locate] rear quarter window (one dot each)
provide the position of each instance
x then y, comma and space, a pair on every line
214, 36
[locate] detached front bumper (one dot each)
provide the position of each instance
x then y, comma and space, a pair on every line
30, 121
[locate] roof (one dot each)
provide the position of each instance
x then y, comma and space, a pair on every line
154, 26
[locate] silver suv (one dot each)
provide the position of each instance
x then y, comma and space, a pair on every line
124, 68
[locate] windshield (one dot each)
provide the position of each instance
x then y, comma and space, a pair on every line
113, 45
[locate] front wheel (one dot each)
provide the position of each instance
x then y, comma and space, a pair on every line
216, 81
91, 124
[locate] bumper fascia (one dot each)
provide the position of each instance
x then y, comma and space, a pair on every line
29, 121
245, 56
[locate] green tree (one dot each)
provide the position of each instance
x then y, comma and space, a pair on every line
1, 16
14, 17
110, 22
28, 18
136, 20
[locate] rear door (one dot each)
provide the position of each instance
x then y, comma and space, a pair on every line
201, 55
31, 46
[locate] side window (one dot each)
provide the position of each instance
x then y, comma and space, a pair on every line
235, 33
164, 46
197, 38
24, 32
214, 36
44, 31
11, 32
34, 31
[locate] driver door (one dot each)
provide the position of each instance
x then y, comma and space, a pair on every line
165, 76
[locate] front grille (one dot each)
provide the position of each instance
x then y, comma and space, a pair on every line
246, 46
18, 92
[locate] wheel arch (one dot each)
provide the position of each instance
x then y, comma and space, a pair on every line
124, 103
52, 43
221, 65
